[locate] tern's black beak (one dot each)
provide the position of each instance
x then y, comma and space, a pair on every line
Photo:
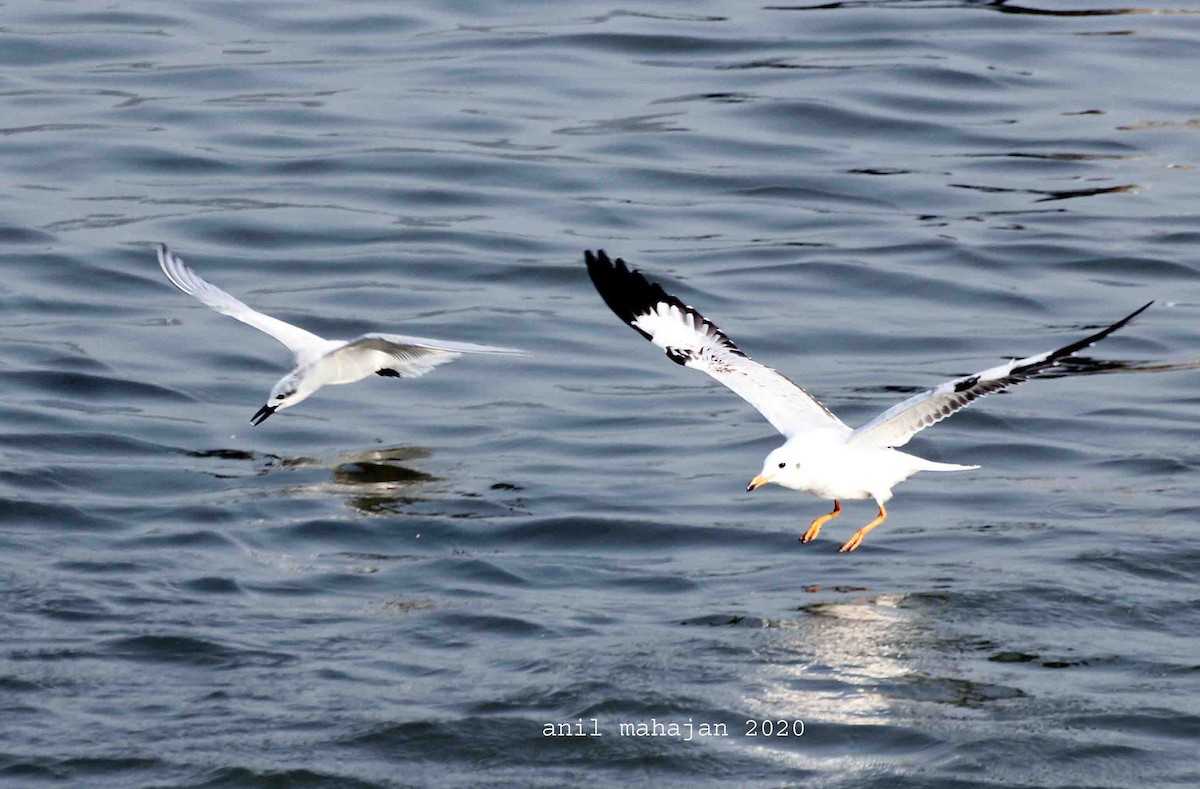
262, 415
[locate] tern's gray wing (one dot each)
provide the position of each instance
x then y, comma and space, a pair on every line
692, 341
408, 357
296, 339
895, 426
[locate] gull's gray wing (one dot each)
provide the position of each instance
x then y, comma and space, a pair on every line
692, 341
895, 426
296, 339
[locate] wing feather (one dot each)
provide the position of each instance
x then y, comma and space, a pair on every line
409, 357
895, 426
692, 341
296, 339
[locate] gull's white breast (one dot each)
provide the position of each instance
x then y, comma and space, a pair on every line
832, 469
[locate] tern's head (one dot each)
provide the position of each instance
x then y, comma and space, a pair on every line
284, 394
781, 467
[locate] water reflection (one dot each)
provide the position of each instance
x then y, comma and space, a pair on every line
856, 658
374, 482
383, 481
1085, 365
851, 645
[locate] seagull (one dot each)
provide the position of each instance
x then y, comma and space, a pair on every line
321, 362
822, 455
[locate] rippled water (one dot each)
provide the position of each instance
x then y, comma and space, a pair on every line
402, 582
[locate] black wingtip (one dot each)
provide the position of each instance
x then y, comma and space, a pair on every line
1056, 358
630, 295
1100, 335
626, 292
1132, 315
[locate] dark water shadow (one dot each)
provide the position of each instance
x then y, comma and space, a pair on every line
1050, 195
1001, 6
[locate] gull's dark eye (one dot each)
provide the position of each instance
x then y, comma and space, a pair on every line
781, 465
280, 397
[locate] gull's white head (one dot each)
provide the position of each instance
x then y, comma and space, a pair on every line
289, 391
782, 467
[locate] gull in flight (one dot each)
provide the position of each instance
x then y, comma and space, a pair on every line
822, 455
321, 362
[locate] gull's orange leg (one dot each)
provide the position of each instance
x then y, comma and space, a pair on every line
815, 528
857, 539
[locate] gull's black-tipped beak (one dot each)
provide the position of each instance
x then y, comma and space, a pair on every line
262, 415
757, 482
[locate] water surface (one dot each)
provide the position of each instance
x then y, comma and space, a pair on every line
400, 583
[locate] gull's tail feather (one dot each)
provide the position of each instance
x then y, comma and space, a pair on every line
930, 465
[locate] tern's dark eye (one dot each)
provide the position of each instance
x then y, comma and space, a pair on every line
781, 465
280, 397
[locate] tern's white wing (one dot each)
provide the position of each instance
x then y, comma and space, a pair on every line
399, 356
182, 277
692, 341
895, 426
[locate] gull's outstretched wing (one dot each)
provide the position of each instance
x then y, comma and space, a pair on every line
692, 341
401, 356
895, 426
182, 277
